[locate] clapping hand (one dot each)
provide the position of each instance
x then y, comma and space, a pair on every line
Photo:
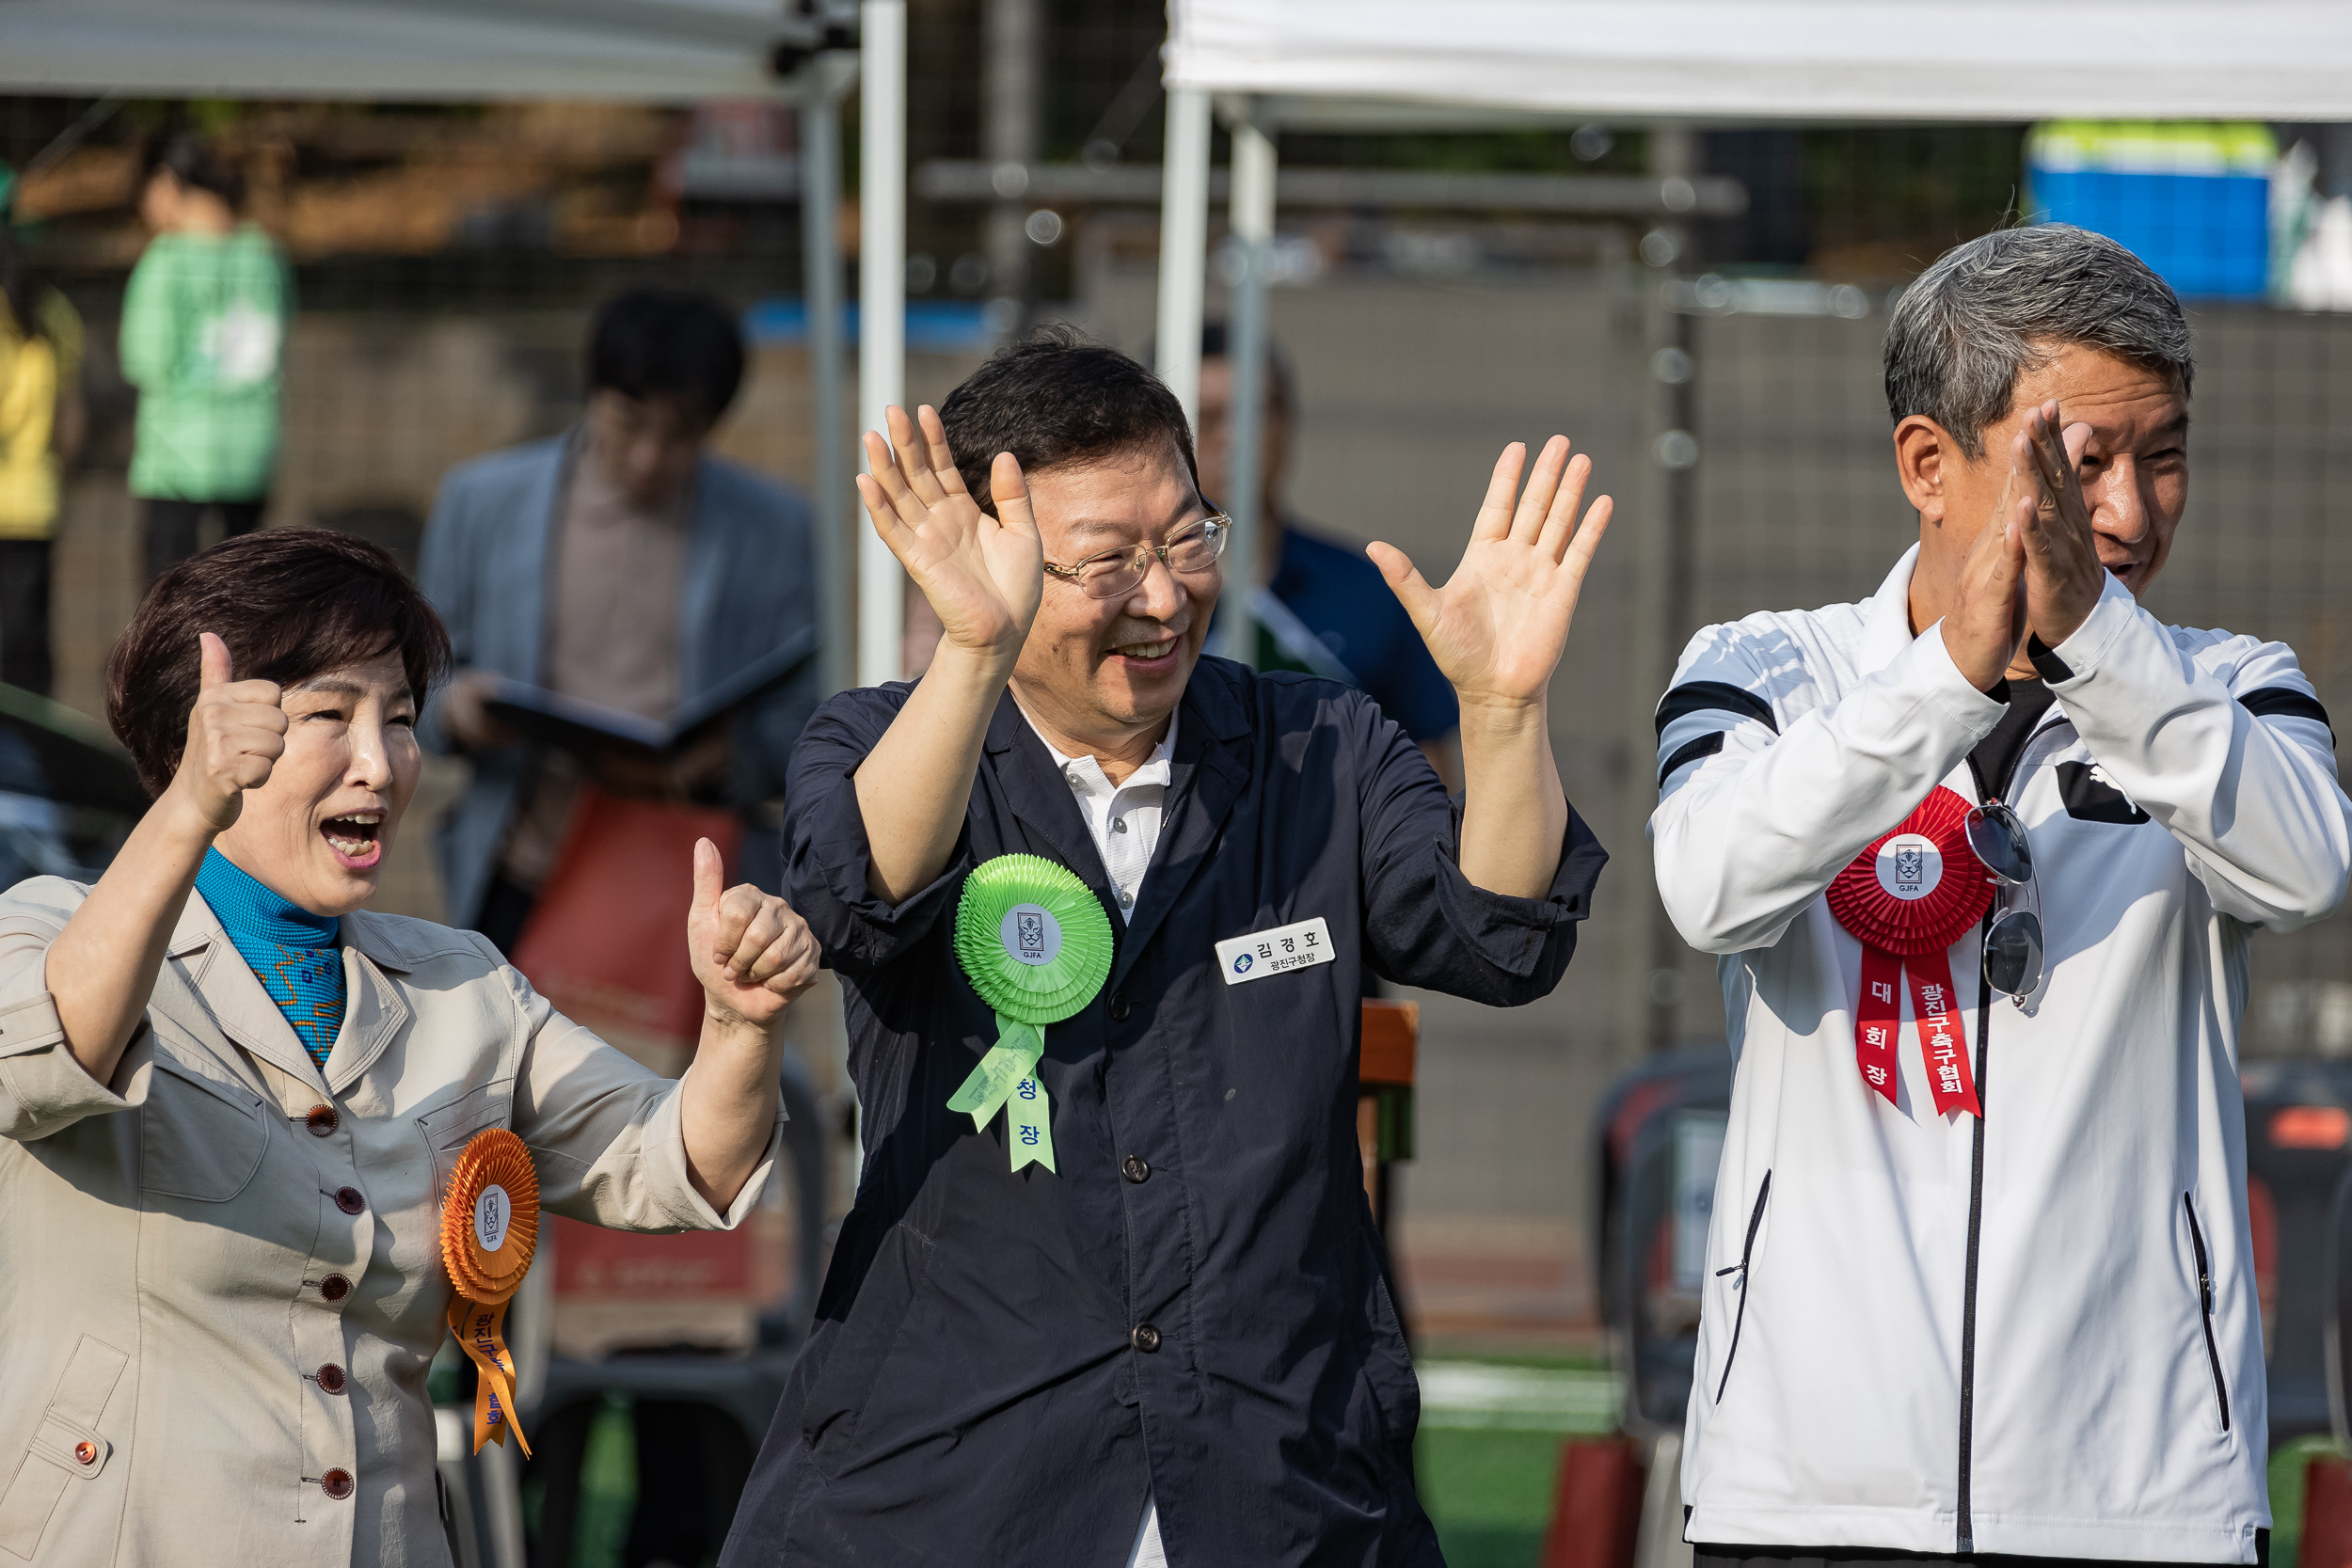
982, 574
2063, 574
1498, 627
236, 734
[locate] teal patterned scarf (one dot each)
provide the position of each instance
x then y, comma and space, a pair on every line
290, 950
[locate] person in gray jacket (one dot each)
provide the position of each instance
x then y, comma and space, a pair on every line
619, 563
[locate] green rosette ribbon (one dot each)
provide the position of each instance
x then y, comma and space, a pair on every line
1034, 944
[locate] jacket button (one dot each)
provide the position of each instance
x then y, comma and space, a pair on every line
337, 1484
86, 1452
322, 1120
1134, 1167
330, 1378
349, 1201
1146, 1339
334, 1287
1118, 1008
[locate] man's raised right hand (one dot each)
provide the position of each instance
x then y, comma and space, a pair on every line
1986, 624
982, 574
236, 734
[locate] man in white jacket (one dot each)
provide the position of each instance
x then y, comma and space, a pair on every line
1979, 1278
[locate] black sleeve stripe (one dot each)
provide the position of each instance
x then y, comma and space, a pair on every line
1705, 746
2286, 703
2046, 662
1702, 696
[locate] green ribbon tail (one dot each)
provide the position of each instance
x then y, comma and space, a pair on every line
1029, 1125
1010, 1061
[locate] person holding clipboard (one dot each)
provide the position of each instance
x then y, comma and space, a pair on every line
1111, 1292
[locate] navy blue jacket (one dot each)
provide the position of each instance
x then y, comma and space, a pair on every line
978, 1390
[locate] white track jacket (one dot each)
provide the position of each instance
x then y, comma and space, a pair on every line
2036, 1334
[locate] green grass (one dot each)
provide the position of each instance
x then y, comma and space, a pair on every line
1489, 1493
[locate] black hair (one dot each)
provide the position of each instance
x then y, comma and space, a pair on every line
192, 159
20, 289
667, 342
1055, 397
1216, 343
291, 603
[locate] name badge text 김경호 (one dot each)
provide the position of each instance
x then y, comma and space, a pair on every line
1301, 945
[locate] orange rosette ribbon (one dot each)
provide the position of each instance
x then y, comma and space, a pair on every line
489, 1229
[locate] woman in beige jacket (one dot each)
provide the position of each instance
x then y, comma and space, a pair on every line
230, 1095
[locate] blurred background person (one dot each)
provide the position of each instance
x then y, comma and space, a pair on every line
619, 563
203, 340
41, 427
1320, 603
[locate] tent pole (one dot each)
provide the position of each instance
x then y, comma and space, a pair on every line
820, 270
1246, 353
882, 360
1184, 247
1651, 973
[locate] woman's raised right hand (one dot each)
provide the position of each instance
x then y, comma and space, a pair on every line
982, 574
236, 733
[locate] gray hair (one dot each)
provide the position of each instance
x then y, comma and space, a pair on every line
1990, 310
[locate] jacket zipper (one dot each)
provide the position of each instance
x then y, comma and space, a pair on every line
1747, 1249
2205, 1305
1964, 1525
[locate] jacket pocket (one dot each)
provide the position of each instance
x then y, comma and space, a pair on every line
866, 1342
449, 1128
2204, 1309
66, 1448
200, 1137
1747, 1255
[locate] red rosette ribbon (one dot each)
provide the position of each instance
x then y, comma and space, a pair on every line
1907, 898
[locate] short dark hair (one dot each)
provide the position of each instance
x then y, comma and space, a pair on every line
1282, 394
1056, 397
290, 602
1990, 310
667, 342
192, 159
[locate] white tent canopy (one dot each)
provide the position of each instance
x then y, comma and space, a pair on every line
1412, 61
658, 51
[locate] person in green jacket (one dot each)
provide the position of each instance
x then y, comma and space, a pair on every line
203, 339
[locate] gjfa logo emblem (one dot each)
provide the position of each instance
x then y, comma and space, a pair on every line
1030, 933
1910, 867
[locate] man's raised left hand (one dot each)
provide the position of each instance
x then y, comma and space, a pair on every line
2063, 575
1498, 627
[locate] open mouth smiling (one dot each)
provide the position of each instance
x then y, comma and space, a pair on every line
356, 838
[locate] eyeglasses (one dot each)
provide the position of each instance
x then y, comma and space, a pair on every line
1116, 572
2013, 943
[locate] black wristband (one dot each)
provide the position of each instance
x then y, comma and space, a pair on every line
2046, 660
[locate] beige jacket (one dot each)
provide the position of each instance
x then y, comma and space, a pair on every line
217, 1303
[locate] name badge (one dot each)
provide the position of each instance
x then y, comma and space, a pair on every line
1301, 945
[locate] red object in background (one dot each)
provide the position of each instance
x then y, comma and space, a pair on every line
606, 942
593, 1264
2310, 1127
2326, 1515
1596, 1506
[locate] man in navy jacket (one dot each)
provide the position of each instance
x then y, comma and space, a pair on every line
1178, 1345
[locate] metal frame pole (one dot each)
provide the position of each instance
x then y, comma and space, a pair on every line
1184, 248
837, 524
882, 360
1253, 176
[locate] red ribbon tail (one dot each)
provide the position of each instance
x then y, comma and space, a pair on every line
1878, 1019
1943, 1034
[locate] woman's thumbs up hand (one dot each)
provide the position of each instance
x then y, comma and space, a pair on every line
236, 734
751, 951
